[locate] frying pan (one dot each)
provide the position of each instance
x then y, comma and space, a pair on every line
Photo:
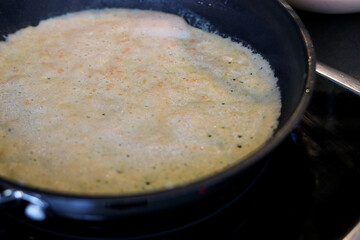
270, 27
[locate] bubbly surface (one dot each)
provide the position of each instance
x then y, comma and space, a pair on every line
126, 101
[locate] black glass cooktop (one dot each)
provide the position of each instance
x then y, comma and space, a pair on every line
309, 188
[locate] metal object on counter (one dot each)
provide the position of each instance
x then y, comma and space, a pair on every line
354, 234
338, 77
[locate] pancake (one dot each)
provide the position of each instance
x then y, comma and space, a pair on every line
128, 101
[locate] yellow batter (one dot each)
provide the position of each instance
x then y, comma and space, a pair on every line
124, 101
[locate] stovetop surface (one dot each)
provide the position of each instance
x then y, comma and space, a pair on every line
309, 188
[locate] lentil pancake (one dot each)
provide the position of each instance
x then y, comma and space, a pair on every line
127, 101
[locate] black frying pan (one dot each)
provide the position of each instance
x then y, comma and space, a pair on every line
270, 27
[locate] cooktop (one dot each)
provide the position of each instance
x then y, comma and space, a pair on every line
309, 187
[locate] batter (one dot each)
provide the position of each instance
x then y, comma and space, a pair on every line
128, 101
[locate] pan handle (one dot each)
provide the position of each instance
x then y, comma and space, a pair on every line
338, 77
35, 209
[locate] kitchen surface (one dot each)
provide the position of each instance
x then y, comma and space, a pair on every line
308, 190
